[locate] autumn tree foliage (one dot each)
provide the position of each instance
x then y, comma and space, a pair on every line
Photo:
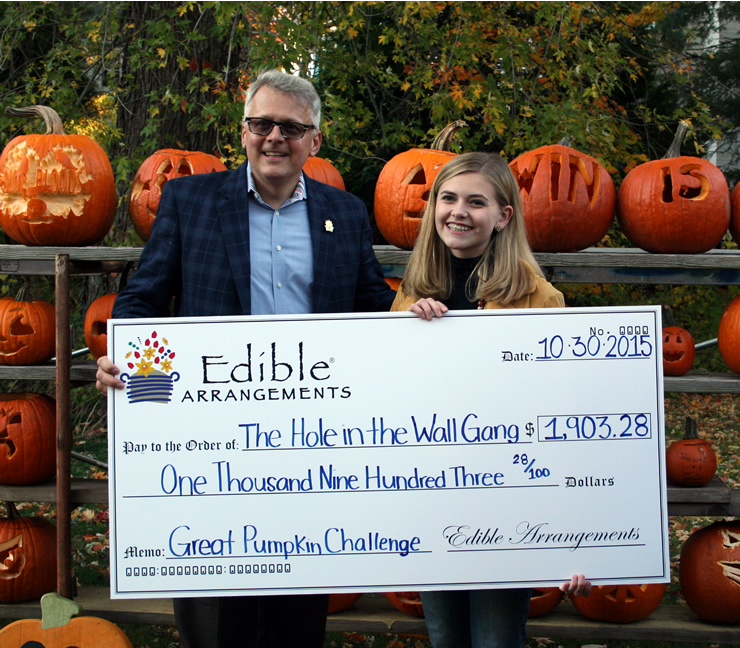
143, 76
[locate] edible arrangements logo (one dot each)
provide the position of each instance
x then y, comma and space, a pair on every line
154, 377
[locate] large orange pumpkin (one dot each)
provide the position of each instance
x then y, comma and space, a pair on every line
407, 602
677, 205
60, 631
153, 174
403, 187
55, 189
709, 572
568, 198
679, 351
27, 331
323, 171
690, 461
96, 324
27, 438
620, 603
28, 557
340, 602
728, 335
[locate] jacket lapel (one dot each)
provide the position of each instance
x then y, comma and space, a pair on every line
234, 218
323, 243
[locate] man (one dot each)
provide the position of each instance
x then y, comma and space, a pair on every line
261, 239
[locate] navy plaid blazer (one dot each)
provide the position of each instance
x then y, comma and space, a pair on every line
198, 252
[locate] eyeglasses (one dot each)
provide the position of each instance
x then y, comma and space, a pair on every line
289, 130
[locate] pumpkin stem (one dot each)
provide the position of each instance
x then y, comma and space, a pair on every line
674, 150
667, 314
52, 120
443, 141
566, 141
12, 511
692, 430
57, 611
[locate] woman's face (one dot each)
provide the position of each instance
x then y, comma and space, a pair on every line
467, 213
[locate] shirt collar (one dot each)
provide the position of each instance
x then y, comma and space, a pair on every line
300, 192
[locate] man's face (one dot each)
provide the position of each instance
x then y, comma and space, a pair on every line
277, 161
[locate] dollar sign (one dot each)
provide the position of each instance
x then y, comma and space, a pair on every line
530, 429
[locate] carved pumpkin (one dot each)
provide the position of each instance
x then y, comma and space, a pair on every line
677, 205
96, 324
407, 602
60, 631
403, 187
709, 572
620, 603
323, 171
568, 198
340, 602
27, 331
153, 174
544, 600
735, 213
678, 351
28, 557
728, 335
27, 438
690, 461
55, 189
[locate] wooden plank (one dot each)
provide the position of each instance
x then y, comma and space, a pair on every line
374, 613
80, 371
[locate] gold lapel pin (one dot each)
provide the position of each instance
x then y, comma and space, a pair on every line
328, 226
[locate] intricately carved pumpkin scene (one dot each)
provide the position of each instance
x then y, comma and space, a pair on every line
621, 137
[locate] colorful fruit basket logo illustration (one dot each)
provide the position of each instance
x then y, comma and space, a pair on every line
152, 359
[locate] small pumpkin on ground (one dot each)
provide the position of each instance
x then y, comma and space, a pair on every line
709, 572
323, 171
55, 189
568, 197
27, 331
677, 205
620, 603
728, 335
57, 629
28, 438
403, 187
407, 602
160, 167
28, 557
690, 461
679, 351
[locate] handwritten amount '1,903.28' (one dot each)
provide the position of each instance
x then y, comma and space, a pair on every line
632, 342
594, 427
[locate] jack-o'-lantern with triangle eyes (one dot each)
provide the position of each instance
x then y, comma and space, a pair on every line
679, 351
27, 331
28, 557
620, 603
154, 173
27, 438
55, 189
404, 185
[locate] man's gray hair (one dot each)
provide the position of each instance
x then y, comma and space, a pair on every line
297, 87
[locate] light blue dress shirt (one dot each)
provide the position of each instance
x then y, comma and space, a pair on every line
281, 254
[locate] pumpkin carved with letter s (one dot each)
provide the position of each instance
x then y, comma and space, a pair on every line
55, 189
690, 461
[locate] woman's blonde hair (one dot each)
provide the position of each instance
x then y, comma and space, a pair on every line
506, 270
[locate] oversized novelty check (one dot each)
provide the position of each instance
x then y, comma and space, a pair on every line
380, 452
